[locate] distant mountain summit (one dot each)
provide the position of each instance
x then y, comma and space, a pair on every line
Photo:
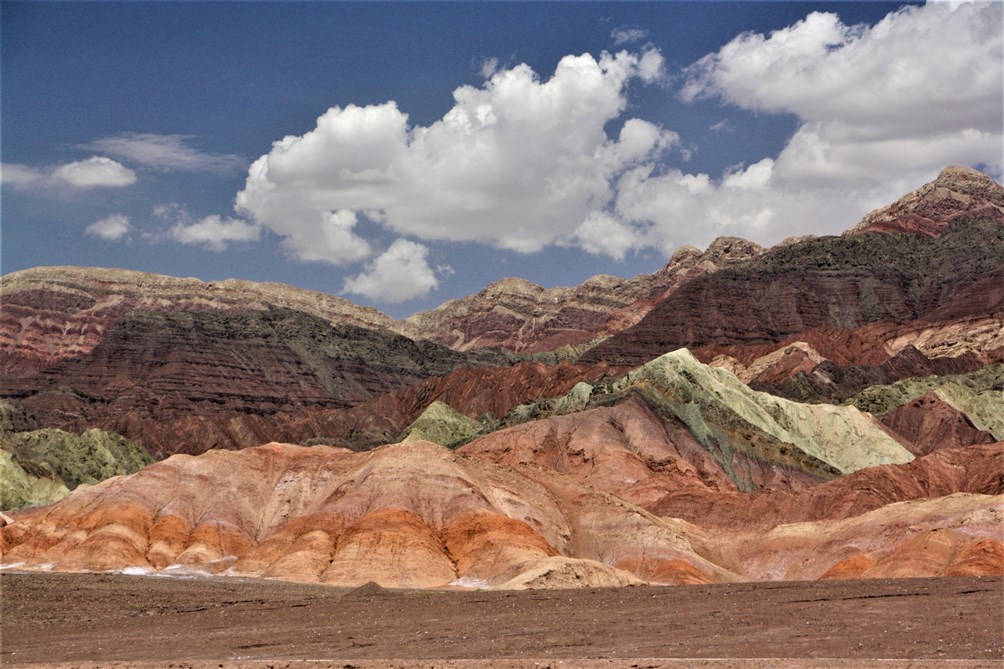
958, 193
941, 259
521, 316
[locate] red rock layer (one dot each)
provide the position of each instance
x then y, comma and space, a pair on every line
521, 316
958, 192
473, 392
55, 313
928, 424
975, 469
165, 426
200, 380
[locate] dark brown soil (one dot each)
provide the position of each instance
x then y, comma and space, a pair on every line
116, 621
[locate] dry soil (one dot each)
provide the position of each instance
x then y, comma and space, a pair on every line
112, 620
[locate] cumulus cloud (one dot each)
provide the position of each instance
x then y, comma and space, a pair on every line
112, 228
524, 162
604, 234
214, 232
628, 34
94, 172
518, 163
399, 274
870, 97
211, 232
882, 109
164, 152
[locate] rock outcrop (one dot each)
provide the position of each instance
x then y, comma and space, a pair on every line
928, 423
978, 396
974, 470
440, 424
728, 418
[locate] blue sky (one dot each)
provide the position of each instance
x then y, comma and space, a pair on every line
431, 148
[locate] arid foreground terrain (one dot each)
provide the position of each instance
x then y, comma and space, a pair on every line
105, 620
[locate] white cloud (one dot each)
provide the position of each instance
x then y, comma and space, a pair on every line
113, 227
164, 152
518, 163
15, 174
400, 273
628, 34
489, 66
94, 172
870, 97
882, 110
524, 162
214, 232
604, 234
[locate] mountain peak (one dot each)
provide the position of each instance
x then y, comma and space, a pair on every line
966, 180
956, 193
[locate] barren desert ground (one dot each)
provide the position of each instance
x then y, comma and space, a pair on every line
106, 620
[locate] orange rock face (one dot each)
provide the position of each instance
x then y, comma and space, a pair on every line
419, 515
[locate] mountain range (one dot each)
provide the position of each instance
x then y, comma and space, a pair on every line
831, 407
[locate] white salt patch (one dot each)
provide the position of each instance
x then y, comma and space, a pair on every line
468, 582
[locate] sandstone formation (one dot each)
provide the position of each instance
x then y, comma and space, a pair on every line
726, 416
420, 515
521, 316
975, 469
957, 193
408, 515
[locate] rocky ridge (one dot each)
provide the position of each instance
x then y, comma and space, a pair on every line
521, 316
836, 282
55, 313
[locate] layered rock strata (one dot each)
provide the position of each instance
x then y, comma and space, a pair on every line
521, 316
